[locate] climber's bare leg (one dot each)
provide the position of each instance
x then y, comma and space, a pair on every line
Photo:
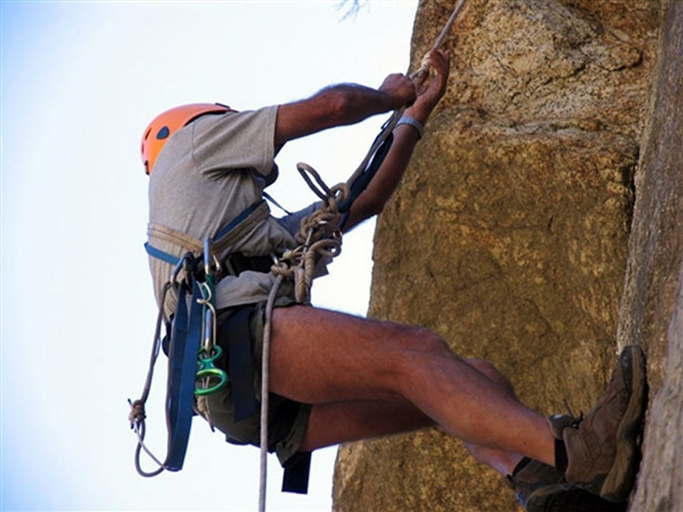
342, 422
502, 461
322, 357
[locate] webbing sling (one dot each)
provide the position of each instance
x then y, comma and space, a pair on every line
362, 180
236, 331
297, 473
185, 341
225, 238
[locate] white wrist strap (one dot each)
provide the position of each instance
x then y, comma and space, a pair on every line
414, 123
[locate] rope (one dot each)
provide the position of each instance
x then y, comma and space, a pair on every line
449, 24
137, 408
318, 238
265, 382
418, 76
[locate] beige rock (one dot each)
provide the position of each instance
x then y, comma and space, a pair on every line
509, 236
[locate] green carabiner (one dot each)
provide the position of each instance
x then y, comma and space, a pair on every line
207, 370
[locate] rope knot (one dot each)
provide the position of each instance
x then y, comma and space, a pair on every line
318, 236
137, 413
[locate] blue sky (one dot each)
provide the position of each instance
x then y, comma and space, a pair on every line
80, 81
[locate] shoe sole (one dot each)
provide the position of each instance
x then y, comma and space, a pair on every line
568, 498
621, 477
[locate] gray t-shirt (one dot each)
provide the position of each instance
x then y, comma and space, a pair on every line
207, 174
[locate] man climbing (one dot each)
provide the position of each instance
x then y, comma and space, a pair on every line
336, 378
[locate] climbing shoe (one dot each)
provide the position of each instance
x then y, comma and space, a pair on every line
542, 488
531, 475
602, 449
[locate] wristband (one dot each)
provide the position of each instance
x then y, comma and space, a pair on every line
410, 121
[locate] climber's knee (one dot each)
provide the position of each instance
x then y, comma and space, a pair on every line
491, 372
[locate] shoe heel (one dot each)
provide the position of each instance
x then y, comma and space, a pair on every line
619, 481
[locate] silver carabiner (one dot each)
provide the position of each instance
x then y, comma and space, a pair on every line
183, 264
207, 256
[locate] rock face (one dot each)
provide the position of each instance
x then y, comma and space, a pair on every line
510, 234
652, 308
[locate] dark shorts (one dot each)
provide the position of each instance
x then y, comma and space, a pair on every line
287, 419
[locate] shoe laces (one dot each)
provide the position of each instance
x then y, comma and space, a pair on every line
576, 419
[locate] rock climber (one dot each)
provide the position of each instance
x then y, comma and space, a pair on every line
334, 377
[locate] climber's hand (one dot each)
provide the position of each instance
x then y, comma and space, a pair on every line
430, 93
400, 88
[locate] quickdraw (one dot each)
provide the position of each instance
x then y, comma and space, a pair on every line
210, 352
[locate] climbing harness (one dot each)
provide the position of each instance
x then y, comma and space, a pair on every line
192, 374
193, 352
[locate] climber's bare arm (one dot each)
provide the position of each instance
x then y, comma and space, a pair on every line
388, 177
341, 105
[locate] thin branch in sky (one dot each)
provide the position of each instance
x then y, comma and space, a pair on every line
354, 7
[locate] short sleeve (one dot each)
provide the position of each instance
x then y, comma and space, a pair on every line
235, 140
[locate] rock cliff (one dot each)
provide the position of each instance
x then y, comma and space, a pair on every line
510, 234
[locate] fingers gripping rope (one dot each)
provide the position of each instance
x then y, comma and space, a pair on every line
425, 64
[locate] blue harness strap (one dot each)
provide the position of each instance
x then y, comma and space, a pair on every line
186, 337
185, 342
225, 230
240, 365
161, 255
364, 179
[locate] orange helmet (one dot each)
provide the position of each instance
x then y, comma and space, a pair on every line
166, 124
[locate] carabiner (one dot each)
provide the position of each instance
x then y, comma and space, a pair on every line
207, 370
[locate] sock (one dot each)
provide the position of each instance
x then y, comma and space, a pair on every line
561, 458
520, 465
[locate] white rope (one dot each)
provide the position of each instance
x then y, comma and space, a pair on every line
316, 240
418, 76
265, 369
447, 27
303, 257
137, 414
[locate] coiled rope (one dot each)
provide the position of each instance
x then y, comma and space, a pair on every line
318, 237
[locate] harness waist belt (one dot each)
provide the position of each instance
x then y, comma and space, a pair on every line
226, 238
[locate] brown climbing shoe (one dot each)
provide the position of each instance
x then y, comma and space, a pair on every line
542, 488
567, 497
530, 475
602, 449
